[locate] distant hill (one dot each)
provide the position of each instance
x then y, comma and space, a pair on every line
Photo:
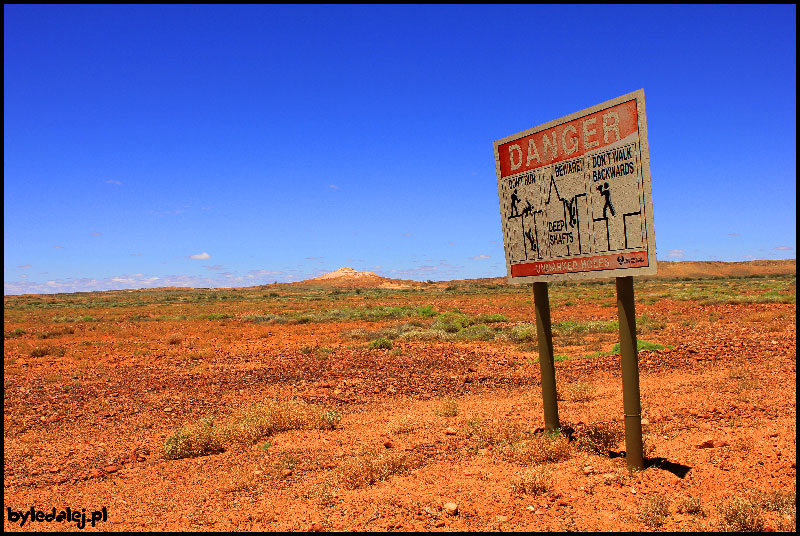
348, 278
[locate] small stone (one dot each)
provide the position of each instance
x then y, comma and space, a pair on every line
286, 472
111, 468
502, 519
451, 508
317, 527
719, 443
388, 444
633, 490
450, 431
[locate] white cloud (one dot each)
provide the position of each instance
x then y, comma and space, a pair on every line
333, 187
203, 255
481, 256
112, 181
784, 248
676, 253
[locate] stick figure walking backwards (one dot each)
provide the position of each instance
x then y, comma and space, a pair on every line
605, 191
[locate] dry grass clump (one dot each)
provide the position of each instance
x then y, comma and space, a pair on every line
261, 420
197, 440
366, 470
546, 448
403, 424
692, 506
784, 502
449, 408
249, 425
175, 338
532, 482
599, 439
653, 511
740, 514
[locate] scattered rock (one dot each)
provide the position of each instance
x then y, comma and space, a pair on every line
286, 472
450, 431
451, 508
501, 518
388, 444
111, 468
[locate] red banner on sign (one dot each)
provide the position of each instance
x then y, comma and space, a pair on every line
635, 259
568, 140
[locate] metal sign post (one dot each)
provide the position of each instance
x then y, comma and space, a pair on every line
541, 302
576, 203
629, 357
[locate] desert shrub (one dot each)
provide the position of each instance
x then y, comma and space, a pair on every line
784, 502
451, 322
740, 514
41, 351
532, 482
426, 311
646, 324
546, 448
403, 424
692, 506
486, 318
448, 408
216, 316
426, 335
572, 327
523, 333
365, 470
175, 338
381, 344
599, 439
329, 420
260, 420
14, 333
654, 510
198, 440
249, 425
480, 332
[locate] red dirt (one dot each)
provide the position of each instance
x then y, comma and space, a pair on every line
87, 429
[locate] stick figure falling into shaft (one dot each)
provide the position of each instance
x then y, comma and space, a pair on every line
605, 191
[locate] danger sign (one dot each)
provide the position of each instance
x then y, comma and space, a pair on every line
575, 196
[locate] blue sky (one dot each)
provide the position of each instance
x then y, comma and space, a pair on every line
221, 146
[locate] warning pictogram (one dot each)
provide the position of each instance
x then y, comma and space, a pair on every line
575, 195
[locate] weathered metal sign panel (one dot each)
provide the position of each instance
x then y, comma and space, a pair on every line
575, 196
